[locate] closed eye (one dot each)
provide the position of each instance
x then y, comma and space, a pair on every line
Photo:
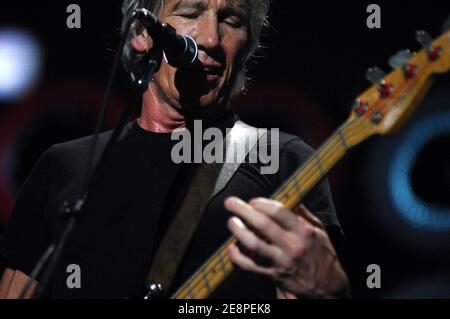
234, 18
188, 15
234, 22
188, 12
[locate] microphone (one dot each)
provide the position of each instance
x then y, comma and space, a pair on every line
179, 50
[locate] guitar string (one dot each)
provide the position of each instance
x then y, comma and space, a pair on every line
194, 287
305, 175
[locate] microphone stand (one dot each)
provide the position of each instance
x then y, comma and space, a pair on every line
72, 211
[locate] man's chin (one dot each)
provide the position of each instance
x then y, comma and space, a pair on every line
202, 105
211, 100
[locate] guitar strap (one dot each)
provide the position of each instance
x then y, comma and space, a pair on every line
207, 181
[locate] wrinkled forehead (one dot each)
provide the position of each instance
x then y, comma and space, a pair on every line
218, 4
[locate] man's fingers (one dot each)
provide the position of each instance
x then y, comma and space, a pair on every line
257, 220
253, 244
276, 211
244, 262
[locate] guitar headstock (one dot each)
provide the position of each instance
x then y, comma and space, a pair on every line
440, 48
387, 103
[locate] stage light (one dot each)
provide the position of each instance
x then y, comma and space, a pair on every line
20, 63
413, 209
408, 177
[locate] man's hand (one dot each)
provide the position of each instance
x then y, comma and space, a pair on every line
291, 248
12, 283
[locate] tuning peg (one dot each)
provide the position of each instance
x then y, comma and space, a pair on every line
375, 75
424, 38
400, 58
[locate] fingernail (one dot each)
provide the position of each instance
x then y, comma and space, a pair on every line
238, 222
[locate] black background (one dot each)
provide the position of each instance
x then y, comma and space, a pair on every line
316, 54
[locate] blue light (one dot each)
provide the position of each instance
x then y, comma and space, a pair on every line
414, 210
20, 63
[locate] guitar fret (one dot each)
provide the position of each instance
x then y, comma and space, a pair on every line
222, 264
297, 185
197, 281
343, 139
227, 265
190, 293
205, 281
319, 165
205, 275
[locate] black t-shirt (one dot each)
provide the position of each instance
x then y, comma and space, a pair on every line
132, 204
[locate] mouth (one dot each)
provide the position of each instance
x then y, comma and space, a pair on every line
209, 66
211, 72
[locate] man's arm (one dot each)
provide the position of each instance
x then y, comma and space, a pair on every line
12, 284
27, 234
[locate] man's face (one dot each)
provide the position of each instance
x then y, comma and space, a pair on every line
220, 29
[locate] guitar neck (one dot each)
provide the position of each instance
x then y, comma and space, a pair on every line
219, 266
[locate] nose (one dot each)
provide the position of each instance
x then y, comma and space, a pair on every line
208, 37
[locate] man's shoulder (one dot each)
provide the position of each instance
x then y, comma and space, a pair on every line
71, 157
291, 141
287, 142
284, 139
77, 147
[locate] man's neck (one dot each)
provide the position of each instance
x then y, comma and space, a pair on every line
160, 117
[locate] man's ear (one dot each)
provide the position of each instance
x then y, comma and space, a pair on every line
141, 41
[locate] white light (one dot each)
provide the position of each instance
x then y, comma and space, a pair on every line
20, 63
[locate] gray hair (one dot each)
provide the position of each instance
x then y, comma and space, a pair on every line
258, 10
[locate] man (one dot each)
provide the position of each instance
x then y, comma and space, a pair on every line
281, 253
